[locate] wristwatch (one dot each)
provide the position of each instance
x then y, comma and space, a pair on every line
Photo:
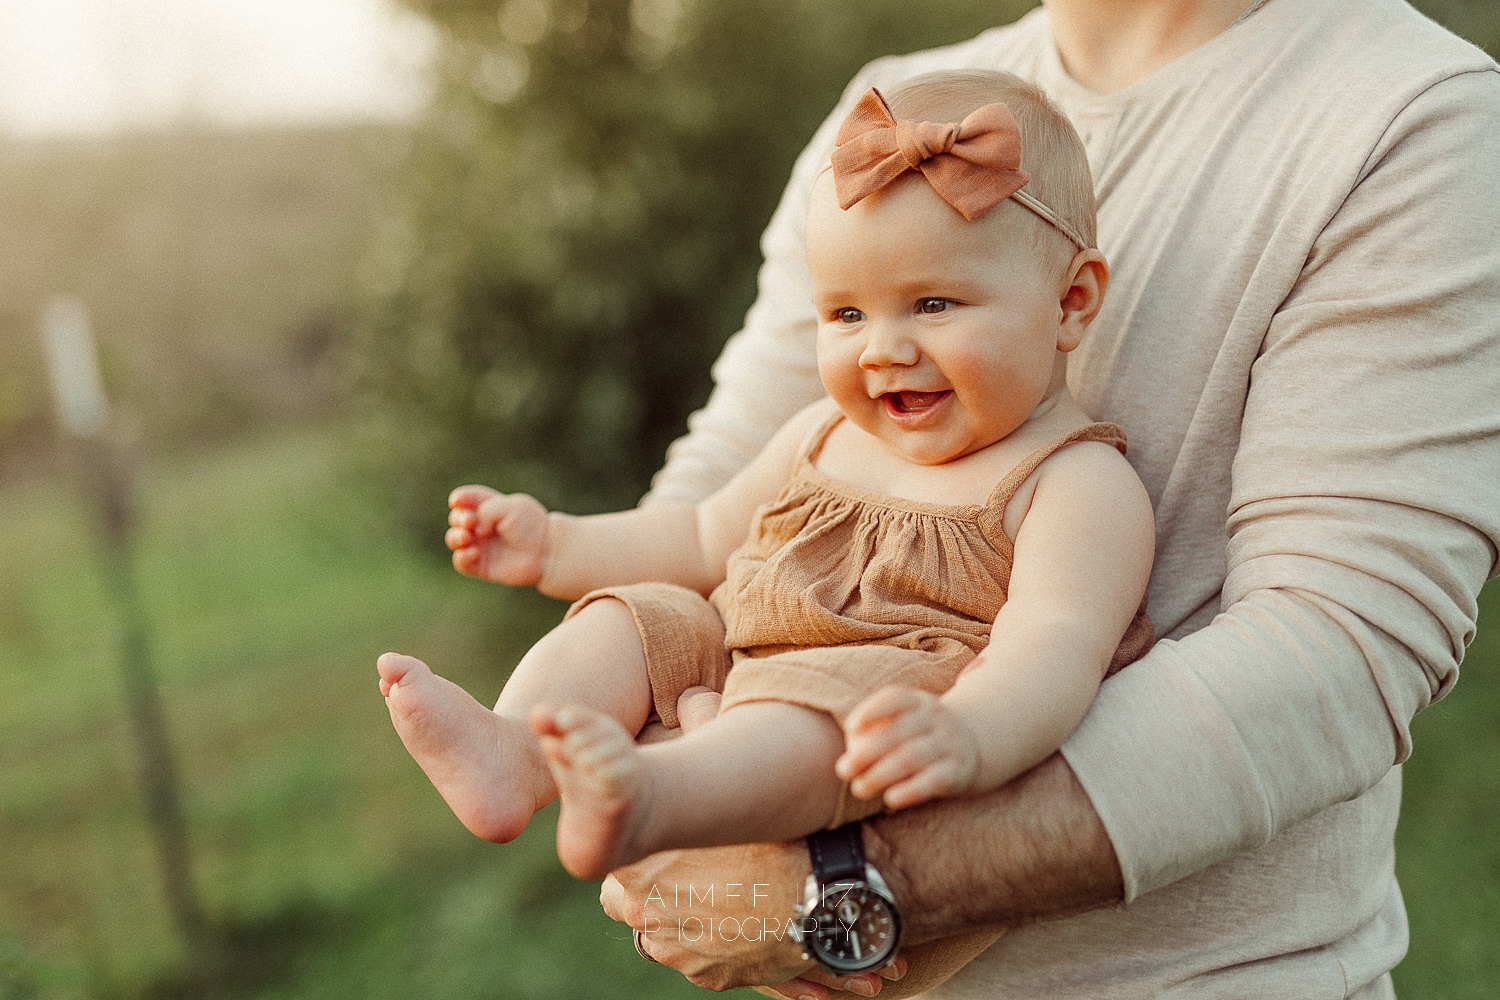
848, 921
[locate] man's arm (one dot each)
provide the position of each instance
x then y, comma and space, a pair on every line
717, 915
1037, 845
1361, 524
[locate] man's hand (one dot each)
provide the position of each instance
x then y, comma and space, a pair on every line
717, 915
720, 915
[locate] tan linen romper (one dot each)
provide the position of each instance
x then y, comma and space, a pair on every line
838, 592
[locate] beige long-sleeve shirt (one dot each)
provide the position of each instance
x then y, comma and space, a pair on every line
1302, 340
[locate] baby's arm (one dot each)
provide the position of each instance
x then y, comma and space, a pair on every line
513, 539
1082, 558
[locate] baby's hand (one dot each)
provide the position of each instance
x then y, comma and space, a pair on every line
908, 745
497, 536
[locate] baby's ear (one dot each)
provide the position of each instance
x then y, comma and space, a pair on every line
1082, 296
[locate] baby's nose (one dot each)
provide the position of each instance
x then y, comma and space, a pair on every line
886, 345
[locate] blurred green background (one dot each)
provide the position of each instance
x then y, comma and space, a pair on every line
309, 334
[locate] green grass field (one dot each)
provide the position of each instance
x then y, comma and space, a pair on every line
328, 867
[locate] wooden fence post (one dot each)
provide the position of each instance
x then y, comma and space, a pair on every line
83, 411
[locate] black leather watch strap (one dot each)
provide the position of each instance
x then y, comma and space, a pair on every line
838, 854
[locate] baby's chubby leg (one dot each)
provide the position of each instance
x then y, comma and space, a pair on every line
487, 764
760, 771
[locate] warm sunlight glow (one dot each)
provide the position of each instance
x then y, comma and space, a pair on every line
69, 66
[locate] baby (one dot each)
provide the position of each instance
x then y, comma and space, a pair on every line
914, 591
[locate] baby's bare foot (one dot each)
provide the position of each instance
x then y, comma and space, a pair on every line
487, 767
601, 779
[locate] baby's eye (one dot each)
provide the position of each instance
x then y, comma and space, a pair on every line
934, 305
848, 315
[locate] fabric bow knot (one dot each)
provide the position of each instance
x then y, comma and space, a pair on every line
973, 165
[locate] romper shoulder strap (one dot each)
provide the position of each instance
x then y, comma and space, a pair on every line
1005, 491
813, 443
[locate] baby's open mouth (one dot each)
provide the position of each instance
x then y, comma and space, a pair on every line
911, 401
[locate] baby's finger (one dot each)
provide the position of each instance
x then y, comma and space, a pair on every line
864, 749
458, 538
881, 707
942, 778
697, 705
901, 764
935, 782
469, 496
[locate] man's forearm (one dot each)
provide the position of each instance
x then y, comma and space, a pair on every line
1033, 849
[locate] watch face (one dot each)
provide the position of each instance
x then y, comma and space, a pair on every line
853, 929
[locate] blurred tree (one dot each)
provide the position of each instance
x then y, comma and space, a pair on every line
1476, 20
585, 199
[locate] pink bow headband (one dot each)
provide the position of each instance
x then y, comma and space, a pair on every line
973, 165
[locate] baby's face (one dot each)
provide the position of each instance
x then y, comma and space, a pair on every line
936, 335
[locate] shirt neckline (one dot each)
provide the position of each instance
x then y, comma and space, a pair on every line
1192, 67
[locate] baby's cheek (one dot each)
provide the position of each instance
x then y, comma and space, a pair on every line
838, 366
